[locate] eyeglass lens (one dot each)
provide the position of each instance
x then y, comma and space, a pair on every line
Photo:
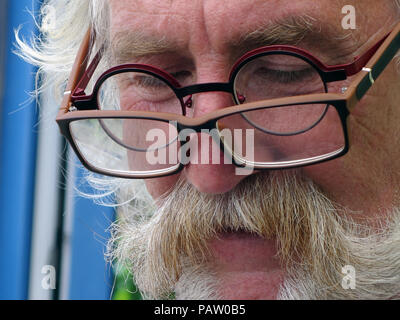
264, 136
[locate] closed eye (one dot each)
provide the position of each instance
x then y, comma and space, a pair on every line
285, 77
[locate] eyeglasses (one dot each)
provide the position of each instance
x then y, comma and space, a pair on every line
138, 123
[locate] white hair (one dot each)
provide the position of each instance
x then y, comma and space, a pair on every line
62, 25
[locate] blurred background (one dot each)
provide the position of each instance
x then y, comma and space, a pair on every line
52, 241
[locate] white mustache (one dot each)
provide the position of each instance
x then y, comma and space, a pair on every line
314, 238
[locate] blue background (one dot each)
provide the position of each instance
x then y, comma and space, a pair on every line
78, 235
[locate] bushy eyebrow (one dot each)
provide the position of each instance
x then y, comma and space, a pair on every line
290, 30
128, 45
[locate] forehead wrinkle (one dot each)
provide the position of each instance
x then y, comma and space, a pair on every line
290, 30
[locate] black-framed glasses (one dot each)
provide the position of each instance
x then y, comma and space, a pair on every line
137, 121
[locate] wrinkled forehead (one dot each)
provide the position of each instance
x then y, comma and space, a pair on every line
218, 18
215, 23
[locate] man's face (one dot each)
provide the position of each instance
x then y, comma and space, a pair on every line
201, 40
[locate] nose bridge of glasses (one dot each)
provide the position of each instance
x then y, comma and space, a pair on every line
209, 125
197, 141
186, 132
204, 87
186, 95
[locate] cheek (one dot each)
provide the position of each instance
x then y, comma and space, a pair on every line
328, 175
161, 186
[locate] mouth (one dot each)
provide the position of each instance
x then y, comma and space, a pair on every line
246, 265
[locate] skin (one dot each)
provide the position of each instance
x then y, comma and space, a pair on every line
365, 180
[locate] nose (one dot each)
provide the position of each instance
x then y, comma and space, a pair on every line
209, 169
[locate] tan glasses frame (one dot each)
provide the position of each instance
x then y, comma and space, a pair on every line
344, 102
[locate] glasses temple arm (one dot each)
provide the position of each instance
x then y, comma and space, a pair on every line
378, 67
87, 75
77, 71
